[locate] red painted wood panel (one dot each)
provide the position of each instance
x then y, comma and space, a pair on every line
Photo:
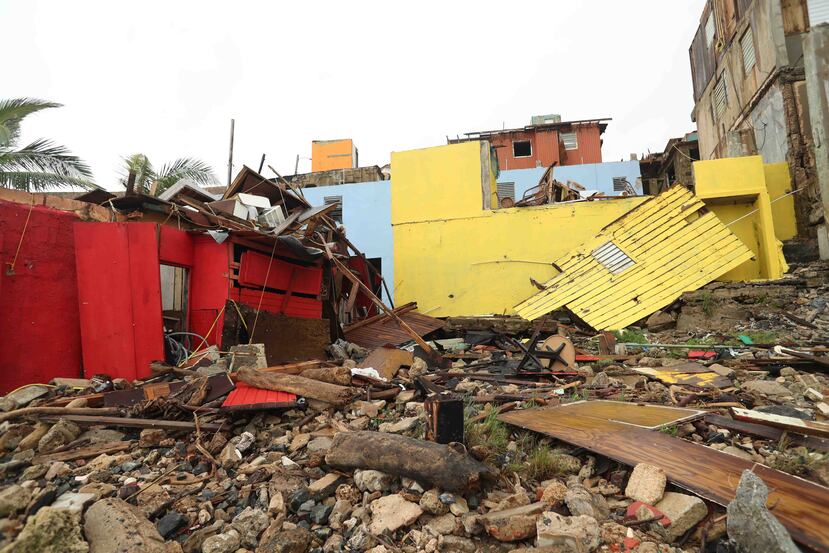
40, 336
209, 287
175, 247
282, 276
294, 306
248, 395
145, 288
119, 295
104, 299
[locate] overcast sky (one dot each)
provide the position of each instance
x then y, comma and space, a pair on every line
165, 78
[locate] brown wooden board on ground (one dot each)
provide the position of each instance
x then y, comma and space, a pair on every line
387, 361
641, 414
807, 428
127, 422
686, 374
768, 432
382, 329
286, 339
802, 506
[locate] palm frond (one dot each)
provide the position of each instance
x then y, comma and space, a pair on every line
185, 168
55, 165
12, 112
144, 171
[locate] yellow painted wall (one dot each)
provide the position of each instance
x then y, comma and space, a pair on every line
778, 184
453, 257
327, 155
733, 188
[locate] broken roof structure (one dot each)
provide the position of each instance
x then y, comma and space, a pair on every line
640, 263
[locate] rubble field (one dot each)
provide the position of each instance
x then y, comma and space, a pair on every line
390, 449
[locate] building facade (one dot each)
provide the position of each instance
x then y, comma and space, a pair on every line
547, 141
673, 165
750, 90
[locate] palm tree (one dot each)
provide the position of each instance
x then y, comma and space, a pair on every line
41, 165
150, 181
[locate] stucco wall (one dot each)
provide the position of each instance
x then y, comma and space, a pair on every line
367, 219
455, 258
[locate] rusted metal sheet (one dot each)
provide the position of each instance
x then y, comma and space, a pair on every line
670, 244
382, 329
802, 506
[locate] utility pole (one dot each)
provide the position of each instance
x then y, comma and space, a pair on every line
230, 156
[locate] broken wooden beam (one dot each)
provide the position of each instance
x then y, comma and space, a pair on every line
37, 412
444, 466
768, 432
83, 453
798, 426
127, 422
301, 386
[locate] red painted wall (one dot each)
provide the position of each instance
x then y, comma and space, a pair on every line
39, 324
546, 150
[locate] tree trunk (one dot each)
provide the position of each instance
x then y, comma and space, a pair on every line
427, 462
333, 375
301, 386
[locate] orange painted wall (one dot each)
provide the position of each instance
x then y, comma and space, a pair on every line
332, 154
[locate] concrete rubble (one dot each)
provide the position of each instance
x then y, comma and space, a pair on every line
266, 480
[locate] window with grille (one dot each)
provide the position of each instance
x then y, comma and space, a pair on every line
720, 98
506, 190
522, 148
612, 258
571, 142
619, 184
747, 45
337, 212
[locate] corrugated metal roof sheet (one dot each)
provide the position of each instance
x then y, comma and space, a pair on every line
672, 247
248, 397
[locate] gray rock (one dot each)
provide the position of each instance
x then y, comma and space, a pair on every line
14, 499
227, 542
296, 540
59, 435
751, 525
250, 523
766, 388
320, 512
169, 523
50, 531
580, 533
786, 411
373, 480
115, 525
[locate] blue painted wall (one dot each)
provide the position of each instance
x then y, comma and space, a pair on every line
367, 219
593, 176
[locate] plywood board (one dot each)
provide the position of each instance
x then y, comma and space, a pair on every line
640, 414
802, 506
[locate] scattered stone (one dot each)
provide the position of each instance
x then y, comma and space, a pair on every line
14, 499
250, 523
392, 512
684, 511
294, 540
554, 493
115, 525
766, 388
227, 542
169, 523
737, 452
151, 437
430, 502
751, 525
74, 502
325, 486
514, 528
576, 532
373, 480
50, 531
442, 525
646, 484
61, 433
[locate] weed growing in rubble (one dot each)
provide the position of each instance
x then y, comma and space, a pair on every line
490, 432
797, 461
543, 464
670, 430
707, 303
628, 336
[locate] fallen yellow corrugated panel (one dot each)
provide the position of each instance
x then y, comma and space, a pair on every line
640, 263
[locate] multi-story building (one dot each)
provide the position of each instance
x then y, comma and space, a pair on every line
750, 89
546, 141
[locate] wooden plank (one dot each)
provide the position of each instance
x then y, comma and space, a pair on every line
145, 294
802, 506
807, 428
138, 423
768, 432
640, 414
83, 453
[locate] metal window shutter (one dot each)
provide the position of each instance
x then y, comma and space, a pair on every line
747, 45
818, 12
337, 212
720, 97
506, 190
570, 141
619, 184
612, 258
